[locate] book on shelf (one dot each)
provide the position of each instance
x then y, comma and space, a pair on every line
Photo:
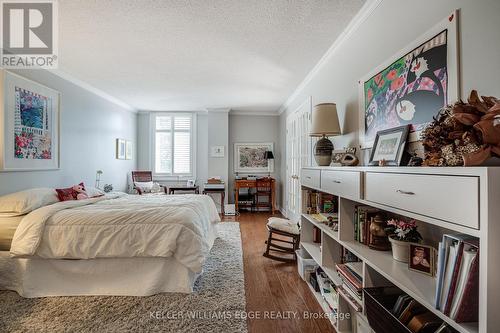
349, 299
351, 278
457, 285
362, 217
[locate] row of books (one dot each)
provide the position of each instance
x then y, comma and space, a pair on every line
352, 283
416, 317
457, 286
362, 217
316, 202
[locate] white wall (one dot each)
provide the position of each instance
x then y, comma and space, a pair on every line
392, 26
243, 128
88, 129
218, 135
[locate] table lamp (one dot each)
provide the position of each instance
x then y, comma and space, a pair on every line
325, 123
268, 155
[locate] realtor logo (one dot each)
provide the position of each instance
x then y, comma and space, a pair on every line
29, 34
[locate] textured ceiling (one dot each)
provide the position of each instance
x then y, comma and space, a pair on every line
246, 55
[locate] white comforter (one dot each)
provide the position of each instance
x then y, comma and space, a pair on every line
118, 226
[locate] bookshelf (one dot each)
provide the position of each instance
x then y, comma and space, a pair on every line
473, 193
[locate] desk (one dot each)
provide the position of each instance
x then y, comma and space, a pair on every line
244, 183
221, 191
172, 189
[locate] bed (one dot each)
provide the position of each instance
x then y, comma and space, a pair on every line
116, 244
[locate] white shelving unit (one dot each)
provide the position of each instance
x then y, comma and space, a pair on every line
456, 193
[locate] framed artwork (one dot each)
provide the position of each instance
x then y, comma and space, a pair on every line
29, 125
389, 145
249, 157
217, 151
128, 150
120, 149
412, 86
421, 259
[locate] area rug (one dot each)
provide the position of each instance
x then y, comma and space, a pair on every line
216, 305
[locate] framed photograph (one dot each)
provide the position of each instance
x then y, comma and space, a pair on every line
29, 125
389, 146
128, 150
249, 157
413, 85
120, 149
421, 259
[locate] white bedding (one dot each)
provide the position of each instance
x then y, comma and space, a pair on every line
121, 226
8, 226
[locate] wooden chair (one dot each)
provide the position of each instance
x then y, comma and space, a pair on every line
290, 234
143, 177
264, 190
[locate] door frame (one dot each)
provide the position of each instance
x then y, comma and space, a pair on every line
296, 113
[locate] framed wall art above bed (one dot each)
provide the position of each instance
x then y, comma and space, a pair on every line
412, 86
29, 124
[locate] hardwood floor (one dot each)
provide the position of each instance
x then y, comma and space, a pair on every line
274, 290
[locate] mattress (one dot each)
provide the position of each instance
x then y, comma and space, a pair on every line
8, 226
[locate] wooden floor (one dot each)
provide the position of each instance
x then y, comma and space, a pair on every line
273, 288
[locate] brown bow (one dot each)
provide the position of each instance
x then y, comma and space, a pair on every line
488, 128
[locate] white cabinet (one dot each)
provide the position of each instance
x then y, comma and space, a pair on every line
345, 184
310, 177
453, 199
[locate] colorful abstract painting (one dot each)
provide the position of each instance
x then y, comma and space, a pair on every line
411, 90
29, 139
32, 130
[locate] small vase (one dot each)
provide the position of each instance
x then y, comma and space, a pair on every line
400, 250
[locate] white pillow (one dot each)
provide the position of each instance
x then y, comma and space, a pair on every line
283, 225
145, 187
23, 202
93, 192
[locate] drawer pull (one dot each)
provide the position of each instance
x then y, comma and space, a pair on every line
336, 181
405, 192
308, 177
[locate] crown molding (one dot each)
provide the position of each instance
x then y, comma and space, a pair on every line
253, 113
218, 110
92, 89
365, 12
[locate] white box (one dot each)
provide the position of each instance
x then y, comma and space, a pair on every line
304, 261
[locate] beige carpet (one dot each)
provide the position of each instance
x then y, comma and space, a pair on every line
216, 305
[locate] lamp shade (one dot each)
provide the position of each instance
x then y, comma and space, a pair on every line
268, 155
325, 120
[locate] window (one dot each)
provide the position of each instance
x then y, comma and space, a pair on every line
173, 151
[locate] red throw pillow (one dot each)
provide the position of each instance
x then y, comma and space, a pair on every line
75, 192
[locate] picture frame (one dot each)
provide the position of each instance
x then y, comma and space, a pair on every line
422, 259
128, 150
389, 146
217, 151
29, 125
120, 149
415, 89
249, 157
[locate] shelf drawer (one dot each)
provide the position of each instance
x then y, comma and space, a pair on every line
451, 199
346, 184
310, 177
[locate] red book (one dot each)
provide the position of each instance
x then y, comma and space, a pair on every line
349, 276
454, 279
468, 309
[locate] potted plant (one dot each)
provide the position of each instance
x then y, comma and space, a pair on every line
401, 233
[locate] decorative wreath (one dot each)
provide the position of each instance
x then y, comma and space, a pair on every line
464, 133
